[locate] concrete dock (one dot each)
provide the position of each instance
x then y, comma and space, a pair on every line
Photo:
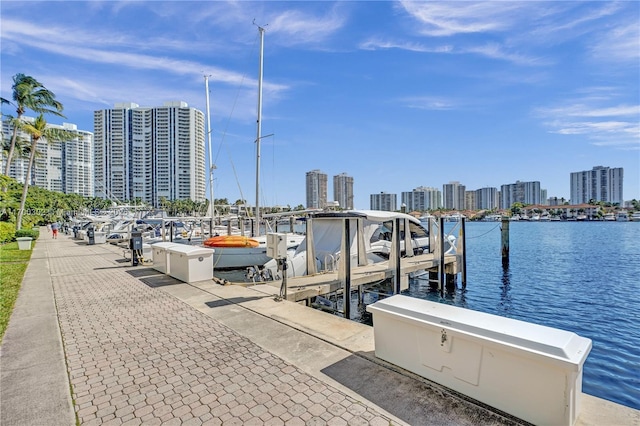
93, 340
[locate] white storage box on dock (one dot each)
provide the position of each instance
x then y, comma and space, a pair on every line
530, 371
99, 237
160, 256
190, 263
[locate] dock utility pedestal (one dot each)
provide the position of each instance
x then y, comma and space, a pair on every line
530, 371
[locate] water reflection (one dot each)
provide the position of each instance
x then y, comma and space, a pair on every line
506, 303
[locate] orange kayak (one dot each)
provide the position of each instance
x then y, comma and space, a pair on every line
230, 241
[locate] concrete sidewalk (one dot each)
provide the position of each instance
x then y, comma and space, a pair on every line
143, 348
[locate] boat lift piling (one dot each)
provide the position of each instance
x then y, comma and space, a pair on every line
505, 241
461, 250
347, 269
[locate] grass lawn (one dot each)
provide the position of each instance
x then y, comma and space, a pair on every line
13, 264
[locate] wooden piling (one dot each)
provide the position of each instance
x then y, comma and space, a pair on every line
463, 252
505, 241
441, 275
347, 279
396, 241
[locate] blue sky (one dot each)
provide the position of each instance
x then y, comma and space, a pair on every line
396, 94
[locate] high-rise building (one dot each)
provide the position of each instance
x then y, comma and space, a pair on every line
384, 201
453, 196
422, 199
149, 153
343, 191
58, 166
316, 189
486, 199
520, 192
598, 184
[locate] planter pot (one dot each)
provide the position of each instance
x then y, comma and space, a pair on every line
24, 243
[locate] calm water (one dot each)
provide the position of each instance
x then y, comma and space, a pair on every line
582, 277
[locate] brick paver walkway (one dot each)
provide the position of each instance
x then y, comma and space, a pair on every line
136, 355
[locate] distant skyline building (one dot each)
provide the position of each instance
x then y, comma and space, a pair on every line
343, 191
598, 184
486, 198
65, 167
316, 189
384, 201
520, 192
421, 199
453, 195
469, 200
149, 153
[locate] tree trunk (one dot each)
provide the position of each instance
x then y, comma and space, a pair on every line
12, 147
25, 188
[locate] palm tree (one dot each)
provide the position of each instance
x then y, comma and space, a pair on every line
39, 130
30, 93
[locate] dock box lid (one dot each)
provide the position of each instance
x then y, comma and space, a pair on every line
163, 245
191, 251
562, 345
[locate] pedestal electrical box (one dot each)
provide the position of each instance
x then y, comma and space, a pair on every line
277, 245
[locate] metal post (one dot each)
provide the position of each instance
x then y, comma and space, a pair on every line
283, 287
441, 269
259, 133
396, 242
347, 265
505, 241
463, 252
432, 238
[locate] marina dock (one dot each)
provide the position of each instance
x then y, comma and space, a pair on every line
94, 340
302, 289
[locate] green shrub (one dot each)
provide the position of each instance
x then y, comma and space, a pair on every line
7, 232
27, 233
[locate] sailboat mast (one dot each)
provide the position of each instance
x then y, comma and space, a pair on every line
259, 132
211, 165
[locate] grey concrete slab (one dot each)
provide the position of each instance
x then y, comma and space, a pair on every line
34, 387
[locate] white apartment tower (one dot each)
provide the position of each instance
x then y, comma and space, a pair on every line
316, 189
453, 195
599, 184
486, 198
149, 153
384, 201
58, 166
343, 191
520, 192
422, 199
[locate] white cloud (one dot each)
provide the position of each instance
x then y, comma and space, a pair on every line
375, 44
619, 126
297, 27
432, 103
620, 44
449, 18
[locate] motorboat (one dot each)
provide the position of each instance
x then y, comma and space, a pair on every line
635, 217
372, 235
240, 254
622, 216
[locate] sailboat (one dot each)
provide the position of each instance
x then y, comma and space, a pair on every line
235, 252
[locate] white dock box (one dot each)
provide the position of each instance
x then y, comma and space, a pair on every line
190, 263
160, 256
530, 371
